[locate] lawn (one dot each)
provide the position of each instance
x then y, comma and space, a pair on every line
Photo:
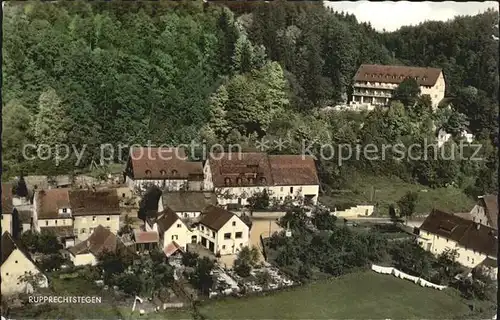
365, 295
388, 190
169, 314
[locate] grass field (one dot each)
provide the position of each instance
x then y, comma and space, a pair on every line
389, 190
364, 295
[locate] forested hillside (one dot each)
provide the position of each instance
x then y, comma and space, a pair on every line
91, 73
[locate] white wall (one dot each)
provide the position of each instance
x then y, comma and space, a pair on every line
479, 215
6, 222
360, 210
436, 92
232, 245
15, 266
83, 259
437, 245
179, 233
276, 192
83, 224
207, 173
65, 222
173, 185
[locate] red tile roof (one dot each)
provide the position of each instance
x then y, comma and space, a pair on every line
465, 232
240, 169
491, 209
384, 73
172, 248
89, 202
146, 236
99, 241
49, 202
162, 164
290, 170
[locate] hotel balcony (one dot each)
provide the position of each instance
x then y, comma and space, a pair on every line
387, 86
372, 94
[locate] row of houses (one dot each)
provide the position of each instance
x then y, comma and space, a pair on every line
233, 177
473, 235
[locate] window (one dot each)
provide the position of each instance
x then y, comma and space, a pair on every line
46, 223
178, 225
241, 244
239, 235
56, 222
213, 234
281, 189
108, 218
223, 247
162, 172
185, 215
234, 223
472, 260
7, 274
250, 180
93, 218
16, 261
202, 228
467, 258
65, 210
227, 181
227, 235
238, 180
438, 237
148, 173
262, 180
291, 189
175, 237
174, 172
446, 240
82, 231
123, 195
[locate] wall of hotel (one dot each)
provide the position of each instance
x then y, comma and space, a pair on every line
85, 225
437, 245
173, 185
436, 92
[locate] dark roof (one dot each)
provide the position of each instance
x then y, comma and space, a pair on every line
240, 169
166, 220
289, 170
188, 201
89, 202
491, 206
384, 73
49, 202
10, 244
489, 263
163, 164
215, 217
100, 240
465, 232
7, 196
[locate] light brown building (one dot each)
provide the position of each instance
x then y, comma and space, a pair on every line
375, 84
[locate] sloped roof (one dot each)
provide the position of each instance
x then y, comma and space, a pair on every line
89, 202
215, 217
146, 236
397, 74
491, 206
188, 201
166, 220
100, 240
240, 169
61, 231
10, 244
50, 201
172, 248
289, 170
162, 163
465, 232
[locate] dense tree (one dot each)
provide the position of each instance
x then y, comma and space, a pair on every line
407, 92
407, 204
201, 278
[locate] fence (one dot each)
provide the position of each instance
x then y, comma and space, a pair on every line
263, 247
399, 274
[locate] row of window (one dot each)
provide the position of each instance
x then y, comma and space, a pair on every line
388, 76
237, 235
224, 246
162, 172
239, 181
84, 230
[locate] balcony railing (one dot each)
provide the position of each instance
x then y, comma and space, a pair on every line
372, 94
372, 85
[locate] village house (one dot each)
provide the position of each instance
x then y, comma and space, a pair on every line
167, 168
52, 212
235, 177
222, 232
73, 214
375, 84
473, 241
170, 229
93, 208
486, 211
102, 239
186, 204
16, 263
145, 241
